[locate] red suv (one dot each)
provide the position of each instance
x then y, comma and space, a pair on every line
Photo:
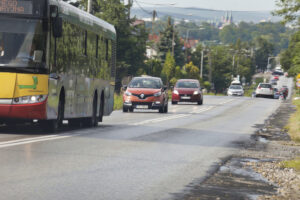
145, 93
187, 90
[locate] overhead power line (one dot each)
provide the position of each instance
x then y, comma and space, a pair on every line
144, 10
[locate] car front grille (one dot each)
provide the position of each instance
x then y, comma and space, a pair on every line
145, 96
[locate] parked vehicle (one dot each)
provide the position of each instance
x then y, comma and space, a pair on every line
279, 73
145, 93
235, 90
285, 91
273, 82
187, 90
276, 93
264, 90
236, 82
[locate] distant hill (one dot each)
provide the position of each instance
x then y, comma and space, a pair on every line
199, 14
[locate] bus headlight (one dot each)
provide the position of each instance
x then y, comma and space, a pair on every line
196, 93
30, 99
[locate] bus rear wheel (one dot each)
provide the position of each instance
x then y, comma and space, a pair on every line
92, 121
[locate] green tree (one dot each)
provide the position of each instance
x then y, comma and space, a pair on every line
192, 71
289, 10
265, 49
165, 44
221, 67
169, 68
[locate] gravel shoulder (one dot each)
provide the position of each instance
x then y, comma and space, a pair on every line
256, 172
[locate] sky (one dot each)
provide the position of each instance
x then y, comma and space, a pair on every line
234, 5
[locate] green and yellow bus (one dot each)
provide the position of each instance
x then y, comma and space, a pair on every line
57, 63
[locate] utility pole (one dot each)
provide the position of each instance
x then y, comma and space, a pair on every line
201, 68
186, 43
210, 67
173, 40
89, 7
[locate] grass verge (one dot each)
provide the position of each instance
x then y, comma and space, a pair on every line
293, 126
295, 164
118, 102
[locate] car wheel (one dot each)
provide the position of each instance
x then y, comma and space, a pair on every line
131, 109
200, 102
166, 109
174, 102
125, 109
161, 109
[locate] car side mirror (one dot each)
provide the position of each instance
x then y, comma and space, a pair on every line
124, 87
165, 87
172, 87
57, 27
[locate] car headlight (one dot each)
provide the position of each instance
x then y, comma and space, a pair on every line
196, 93
175, 92
229, 92
30, 99
128, 93
157, 94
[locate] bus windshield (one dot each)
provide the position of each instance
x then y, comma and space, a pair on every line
22, 44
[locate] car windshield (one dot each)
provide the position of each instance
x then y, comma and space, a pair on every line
235, 87
187, 84
145, 83
265, 86
22, 45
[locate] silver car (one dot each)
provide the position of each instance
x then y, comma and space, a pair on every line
264, 90
235, 90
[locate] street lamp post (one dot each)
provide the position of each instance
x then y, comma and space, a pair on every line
187, 40
201, 69
89, 8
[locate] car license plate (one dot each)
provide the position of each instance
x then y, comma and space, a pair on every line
142, 106
185, 97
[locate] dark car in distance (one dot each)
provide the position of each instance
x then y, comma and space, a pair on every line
187, 90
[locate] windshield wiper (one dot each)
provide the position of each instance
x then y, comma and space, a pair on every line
22, 69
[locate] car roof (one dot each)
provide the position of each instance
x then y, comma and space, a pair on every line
146, 77
191, 80
265, 83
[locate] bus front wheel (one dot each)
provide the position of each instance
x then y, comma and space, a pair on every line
52, 125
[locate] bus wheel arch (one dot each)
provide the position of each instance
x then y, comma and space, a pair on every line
94, 119
101, 107
53, 124
61, 107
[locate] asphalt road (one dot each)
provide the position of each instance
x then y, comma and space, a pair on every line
141, 155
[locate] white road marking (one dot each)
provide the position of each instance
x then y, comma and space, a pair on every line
159, 119
203, 110
228, 101
34, 140
62, 136
179, 116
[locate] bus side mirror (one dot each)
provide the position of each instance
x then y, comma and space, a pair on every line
57, 27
